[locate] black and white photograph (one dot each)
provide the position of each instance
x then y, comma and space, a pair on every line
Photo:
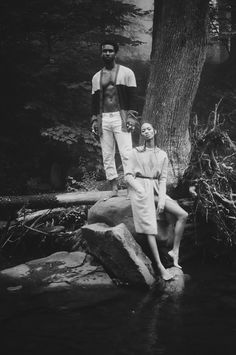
118, 177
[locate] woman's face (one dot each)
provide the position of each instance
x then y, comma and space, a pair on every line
147, 131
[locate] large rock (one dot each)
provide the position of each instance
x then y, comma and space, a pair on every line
58, 271
113, 211
118, 210
118, 251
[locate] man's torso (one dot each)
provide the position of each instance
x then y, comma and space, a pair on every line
110, 97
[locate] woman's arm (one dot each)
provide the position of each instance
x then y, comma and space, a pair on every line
130, 172
132, 182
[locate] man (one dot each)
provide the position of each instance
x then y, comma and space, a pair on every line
113, 110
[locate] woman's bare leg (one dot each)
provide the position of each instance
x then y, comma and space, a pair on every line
153, 246
181, 217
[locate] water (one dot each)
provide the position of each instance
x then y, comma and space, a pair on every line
202, 320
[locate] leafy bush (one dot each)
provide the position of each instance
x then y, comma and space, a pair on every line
85, 150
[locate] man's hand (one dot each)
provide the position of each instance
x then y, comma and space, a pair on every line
130, 125
132, 121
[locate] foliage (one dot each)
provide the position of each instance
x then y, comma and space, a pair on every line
56, 20
218, 76
212, 171
221, 22
47, 61
85, 149
43, 232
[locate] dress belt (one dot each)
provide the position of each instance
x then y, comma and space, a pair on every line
139, 175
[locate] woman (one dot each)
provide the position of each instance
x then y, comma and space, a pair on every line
146, 177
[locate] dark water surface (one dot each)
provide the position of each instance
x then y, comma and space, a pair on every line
202, 320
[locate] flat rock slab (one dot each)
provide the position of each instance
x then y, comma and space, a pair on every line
120, 254
60, 270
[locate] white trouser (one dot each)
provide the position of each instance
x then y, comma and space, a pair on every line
111, 133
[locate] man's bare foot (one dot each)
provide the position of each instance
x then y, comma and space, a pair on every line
114, 188
114, 193
175, 258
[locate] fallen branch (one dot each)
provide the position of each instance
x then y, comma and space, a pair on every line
41, 213
224, 200
14, 203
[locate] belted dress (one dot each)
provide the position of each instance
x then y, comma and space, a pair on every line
148, 166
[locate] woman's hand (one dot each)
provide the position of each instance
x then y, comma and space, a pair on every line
135, 185
140, 190
192, 190
160, 207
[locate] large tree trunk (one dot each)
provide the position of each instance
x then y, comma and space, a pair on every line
178, 54
233, 38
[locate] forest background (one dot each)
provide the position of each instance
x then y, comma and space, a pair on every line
49, 52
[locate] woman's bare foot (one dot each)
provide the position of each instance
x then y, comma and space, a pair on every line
175, 258
165, 274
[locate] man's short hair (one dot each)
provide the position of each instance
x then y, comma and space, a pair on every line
111, 43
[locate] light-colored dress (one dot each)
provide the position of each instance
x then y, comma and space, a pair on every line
153, 163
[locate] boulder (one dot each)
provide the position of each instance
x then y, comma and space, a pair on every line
112, 211
58, 271
118, 251
118, 210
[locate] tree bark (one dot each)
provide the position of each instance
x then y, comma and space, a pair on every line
178, 54
233, 38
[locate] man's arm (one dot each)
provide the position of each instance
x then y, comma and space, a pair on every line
94, 105
132, 91
132, 118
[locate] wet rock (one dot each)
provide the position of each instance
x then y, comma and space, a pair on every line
174, 287
118, 251
177, 284
14, 288
58, 271
19, 271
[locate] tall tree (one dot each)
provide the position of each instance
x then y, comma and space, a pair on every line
180, 29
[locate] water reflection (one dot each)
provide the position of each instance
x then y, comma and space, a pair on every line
154, 324
201, 320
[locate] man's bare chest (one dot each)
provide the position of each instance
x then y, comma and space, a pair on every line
108, 78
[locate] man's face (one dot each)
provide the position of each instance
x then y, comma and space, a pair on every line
108, 53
